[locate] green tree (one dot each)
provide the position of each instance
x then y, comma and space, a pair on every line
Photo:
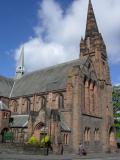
116, 109
116, 100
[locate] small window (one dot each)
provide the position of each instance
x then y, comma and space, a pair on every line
15, 109
87, 135
28, 106
42, 103
5, 115
61, 102
65, 138
96, 135
89, 66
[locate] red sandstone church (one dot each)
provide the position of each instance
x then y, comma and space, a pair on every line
71, 102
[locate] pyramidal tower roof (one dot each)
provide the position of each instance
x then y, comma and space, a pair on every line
21, 59
91, 25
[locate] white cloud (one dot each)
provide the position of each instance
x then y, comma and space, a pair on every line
58, 34
117, 84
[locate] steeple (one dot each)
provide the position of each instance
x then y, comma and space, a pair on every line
20, 65
93, 46
91, 26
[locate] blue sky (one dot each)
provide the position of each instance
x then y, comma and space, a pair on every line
50, 31
17, 20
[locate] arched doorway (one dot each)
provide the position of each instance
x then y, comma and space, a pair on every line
112, 140
37, 129
4, 130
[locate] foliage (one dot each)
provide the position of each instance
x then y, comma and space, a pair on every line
118, 134
8, 136
116, 109
116, 100
117, 125
45, 141
33, 141
116, 115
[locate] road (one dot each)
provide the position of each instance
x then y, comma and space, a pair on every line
15, 156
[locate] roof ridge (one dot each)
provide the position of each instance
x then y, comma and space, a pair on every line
20, 115
50, 67
7, 78
43, 80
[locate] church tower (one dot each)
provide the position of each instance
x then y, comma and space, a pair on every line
93, 46
20, 66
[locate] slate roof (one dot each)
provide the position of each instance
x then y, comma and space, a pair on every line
64, 126
5, 86
59, 116
20, 121
3, 106
48, 79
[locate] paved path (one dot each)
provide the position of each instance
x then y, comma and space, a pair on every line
5, 156
10, 152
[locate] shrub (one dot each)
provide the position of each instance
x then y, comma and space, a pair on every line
33, 141
45, 139
118, 135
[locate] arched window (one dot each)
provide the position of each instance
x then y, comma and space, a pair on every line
112, 140
61, 102
91, 94
15, 109
87, 97
39, 126
42, 103
96, 135
65, 138
13, 106
28, 106
38, 103
87, 135
95, 98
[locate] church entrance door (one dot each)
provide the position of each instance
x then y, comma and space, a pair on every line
112, 140
3, 132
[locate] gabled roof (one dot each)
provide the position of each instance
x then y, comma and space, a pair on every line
64, 126
5, 86
19, 121
48, 79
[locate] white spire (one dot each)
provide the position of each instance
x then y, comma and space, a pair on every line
20, 65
